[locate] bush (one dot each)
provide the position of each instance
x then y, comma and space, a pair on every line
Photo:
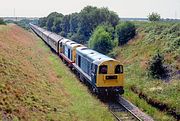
77, 37
101, 40
114, 53
173, 45
125, 31
157, 69
154, 17
2, 21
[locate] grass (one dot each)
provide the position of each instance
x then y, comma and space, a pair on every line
82, 101
151, 38
3, 27
36, 85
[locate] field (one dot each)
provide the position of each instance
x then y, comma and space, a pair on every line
143, 90
36, 85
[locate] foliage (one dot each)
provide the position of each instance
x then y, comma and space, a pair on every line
156, 67
78, 38
42, 22
125, 31
135, 57
173, 45
79, 26
2, 21
114, 53
74, 20
109, 28
65, 24
154, 17
90, 17
56, 24
50, 20
24, 23
101, 40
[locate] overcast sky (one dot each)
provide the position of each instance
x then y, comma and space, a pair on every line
124, 8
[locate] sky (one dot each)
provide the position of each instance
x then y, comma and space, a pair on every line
124, 8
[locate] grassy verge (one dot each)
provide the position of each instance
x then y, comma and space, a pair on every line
35, 84
152, 37
82, 103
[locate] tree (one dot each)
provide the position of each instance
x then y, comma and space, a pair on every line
56, 24
74, 20
125, 31
42, 22
78, 38
109, 28
65, 24
101, 40
79, 25
50, 20
2, 21
90, 17
154, 17
157, 68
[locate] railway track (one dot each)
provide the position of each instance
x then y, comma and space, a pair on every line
122, 113
123, 110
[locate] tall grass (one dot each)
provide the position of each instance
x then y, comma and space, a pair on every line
153, 37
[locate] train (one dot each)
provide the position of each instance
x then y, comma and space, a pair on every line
104, 75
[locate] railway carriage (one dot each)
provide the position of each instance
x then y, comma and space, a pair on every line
45, 37
54, 41
40, 31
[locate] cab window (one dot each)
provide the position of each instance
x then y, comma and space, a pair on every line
79, 61
69, 54
119, 69
61, 44
103, 69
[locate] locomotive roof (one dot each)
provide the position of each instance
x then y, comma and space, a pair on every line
92, 55
64, 40
55, 37
72, 44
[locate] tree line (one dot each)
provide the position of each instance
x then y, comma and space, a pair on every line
99, 28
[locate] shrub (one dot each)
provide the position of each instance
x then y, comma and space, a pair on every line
154, 17
77, 37
101, 40
173, 45
114, 53
157, 69
2, 21
125, 31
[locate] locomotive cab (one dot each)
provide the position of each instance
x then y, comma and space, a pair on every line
109, 74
